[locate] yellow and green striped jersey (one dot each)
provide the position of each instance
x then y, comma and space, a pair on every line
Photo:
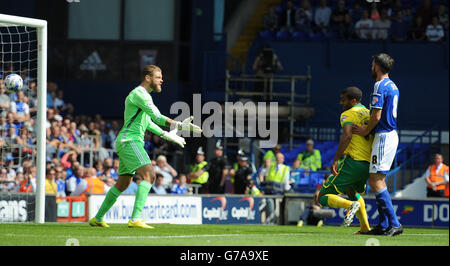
360, 147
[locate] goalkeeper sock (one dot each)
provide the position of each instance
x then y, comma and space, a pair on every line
141, 197
109, 201
361, 214
334, 201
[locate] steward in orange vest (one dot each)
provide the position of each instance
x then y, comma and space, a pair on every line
437, 178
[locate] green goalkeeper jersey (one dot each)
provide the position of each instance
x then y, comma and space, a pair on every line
140, 114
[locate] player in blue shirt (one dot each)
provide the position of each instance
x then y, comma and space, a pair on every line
383, 121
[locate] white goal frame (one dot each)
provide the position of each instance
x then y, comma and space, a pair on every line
41, 27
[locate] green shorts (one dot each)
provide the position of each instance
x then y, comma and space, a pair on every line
132, 156
352, 175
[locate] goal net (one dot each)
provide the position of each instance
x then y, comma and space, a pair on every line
23, 48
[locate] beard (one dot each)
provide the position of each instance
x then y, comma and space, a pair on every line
155, 87
374, 74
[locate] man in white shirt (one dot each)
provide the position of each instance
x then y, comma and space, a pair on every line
322, 15
363, 28
165, 170
435, 31
381, 27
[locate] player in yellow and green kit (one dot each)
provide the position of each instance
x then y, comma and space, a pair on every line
350, 167
140, 115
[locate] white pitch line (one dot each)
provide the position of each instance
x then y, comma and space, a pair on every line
196, 236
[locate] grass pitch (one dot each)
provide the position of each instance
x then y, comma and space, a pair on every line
57, 234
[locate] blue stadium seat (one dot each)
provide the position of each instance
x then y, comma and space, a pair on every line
300, 36
267, 35
319, 36
283, 35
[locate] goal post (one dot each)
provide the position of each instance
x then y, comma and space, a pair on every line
41, 31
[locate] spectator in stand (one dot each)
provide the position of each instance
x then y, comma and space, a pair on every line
277, 178
437, 179
180, 186
28, 184
242, 176
338, 23
426, 11
50, 185
113, 132
287, 17
356, 11
399, 29
58, 101
10, 139
217, 169
20, 109
32, 98
270, 20
166, 170
73, 180
374, 14
60, 181
262, 171
158, 188
90, 184
394, 9
304, 16
271, 154
322, 16
418, 30
363, 28
443, 15
381, 27
4, 100
435, 31
408, 17
112, 168
99, 168
199, 173
311, 158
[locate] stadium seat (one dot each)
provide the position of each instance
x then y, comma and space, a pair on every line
267, 35
283, 35
299, 36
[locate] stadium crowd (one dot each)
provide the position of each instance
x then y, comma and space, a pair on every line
395, 20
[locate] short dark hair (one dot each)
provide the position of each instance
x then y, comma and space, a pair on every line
384, 61
352, 93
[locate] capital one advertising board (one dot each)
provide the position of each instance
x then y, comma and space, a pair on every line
231, 210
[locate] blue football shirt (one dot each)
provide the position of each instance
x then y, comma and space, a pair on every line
385, 96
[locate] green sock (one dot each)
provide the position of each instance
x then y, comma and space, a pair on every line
141, 197
109, 201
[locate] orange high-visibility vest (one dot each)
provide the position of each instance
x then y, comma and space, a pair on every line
95, 185
446, 190
438, 176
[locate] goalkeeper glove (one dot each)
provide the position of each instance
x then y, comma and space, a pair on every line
173, 137
188, 126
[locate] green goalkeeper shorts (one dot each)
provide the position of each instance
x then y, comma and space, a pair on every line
352, 175
132, 156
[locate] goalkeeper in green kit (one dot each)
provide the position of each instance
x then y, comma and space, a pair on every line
140, 115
